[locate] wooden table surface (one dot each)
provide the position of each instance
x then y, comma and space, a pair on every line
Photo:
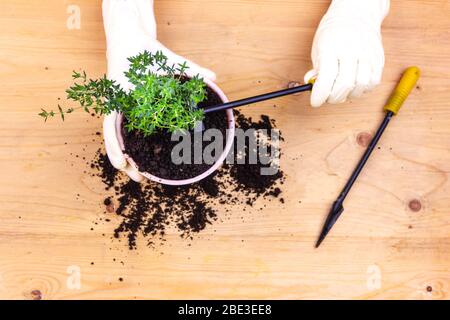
393, 241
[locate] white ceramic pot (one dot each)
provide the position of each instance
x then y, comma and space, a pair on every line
217, 164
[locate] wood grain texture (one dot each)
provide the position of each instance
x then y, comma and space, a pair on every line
48, 205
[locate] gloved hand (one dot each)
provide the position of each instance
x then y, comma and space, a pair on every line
130, 29
347, 52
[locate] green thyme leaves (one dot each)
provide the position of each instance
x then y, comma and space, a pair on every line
163, 97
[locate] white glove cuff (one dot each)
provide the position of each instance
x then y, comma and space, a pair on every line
372, 12
128, 19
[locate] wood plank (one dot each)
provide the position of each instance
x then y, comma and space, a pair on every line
253, 46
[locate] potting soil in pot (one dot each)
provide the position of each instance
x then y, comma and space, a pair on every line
149, 209
153, 154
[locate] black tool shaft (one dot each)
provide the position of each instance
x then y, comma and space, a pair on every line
262, 97
337, 207
366, 155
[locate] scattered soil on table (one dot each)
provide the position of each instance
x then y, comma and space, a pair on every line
149, 209
153, 154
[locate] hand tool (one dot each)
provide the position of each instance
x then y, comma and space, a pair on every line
395, 102
262, 97
199, 127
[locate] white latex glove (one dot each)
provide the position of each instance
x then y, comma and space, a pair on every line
130, 29
347, 52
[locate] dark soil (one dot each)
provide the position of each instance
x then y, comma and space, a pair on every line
150, 210
153, 154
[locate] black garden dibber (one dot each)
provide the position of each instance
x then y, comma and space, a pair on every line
398, 97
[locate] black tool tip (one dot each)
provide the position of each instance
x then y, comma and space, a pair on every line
334, 214
319, 241
322, 236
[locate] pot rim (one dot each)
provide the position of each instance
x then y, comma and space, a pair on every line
229, 143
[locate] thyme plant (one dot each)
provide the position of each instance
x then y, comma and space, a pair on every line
166, 100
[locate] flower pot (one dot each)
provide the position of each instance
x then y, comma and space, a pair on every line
229, 143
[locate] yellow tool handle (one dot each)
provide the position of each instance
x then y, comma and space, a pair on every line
403, 89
